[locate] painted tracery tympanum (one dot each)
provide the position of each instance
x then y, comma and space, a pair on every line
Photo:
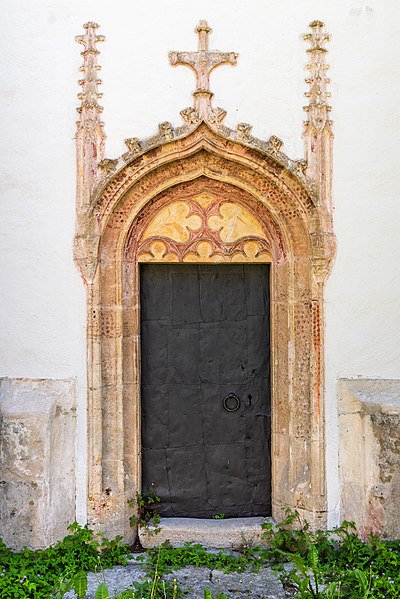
201, 193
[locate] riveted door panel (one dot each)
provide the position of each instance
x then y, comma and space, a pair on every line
205, 388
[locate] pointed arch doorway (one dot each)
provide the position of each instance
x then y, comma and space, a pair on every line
203, 194
203, 221
205, 357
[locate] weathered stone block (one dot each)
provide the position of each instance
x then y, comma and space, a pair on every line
351, 439
369, 454
37, 460
231, 533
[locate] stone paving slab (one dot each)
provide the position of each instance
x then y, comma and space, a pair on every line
117, 579
241, 585
229, 533
244, 585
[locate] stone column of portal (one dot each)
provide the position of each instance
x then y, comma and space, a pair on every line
317, 135
90, 152
318, 142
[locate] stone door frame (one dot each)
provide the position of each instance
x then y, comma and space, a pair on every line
296, 238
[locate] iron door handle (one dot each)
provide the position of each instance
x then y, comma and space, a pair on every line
231, 402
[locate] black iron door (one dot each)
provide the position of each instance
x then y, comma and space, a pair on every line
206, 388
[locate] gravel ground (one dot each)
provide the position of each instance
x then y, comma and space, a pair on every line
245, 585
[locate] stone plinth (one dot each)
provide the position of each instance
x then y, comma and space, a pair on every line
37, 460
213, 534
369, 455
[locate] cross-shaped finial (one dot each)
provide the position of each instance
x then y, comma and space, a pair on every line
202, 63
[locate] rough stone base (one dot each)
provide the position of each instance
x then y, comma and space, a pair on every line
369, 455
213, 534
37, 460
238, 585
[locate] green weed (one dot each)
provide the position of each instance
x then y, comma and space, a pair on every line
208, 595
145, 511
332, 564
35, 574
166, 558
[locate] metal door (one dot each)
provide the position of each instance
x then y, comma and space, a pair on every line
205, 388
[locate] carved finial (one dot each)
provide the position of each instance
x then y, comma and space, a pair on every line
90, 82
90, 135
318, 94
318, 134
202, 63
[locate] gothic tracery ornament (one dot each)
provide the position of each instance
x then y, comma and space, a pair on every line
204, 228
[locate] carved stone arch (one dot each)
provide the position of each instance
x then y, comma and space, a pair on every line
292, 232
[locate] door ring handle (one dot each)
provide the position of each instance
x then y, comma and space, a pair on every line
231, 402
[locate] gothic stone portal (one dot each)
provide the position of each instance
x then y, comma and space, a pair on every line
199, 193
179, 213
205, 388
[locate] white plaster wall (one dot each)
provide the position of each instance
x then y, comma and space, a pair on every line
42, 300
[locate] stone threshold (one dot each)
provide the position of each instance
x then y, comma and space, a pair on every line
229, 533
